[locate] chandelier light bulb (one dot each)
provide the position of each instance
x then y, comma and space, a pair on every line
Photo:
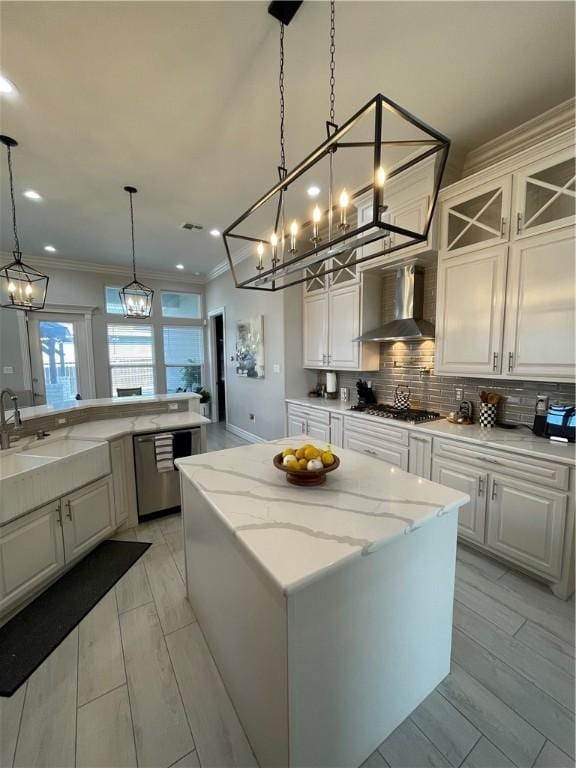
293, 233
344, 202
316, 216
380, 177
28, 290
274, 244
260, 252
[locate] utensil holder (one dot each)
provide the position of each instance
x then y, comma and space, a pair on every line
487, 418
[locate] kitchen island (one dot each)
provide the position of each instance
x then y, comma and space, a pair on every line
328, 610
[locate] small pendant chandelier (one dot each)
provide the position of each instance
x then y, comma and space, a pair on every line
351, 179
136, 298
21, 286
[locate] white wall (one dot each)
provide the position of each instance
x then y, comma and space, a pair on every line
81, 287
11, 356
282, 346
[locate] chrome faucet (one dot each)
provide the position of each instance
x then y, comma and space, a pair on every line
5, 426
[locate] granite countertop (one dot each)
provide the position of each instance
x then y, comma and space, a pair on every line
36, 411
110, 429
520, 441
297, 534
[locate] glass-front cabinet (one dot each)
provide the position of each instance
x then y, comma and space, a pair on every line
546, 195
476, 218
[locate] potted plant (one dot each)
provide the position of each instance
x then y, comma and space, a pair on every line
205, 398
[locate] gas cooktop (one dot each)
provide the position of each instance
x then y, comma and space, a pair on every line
411, 415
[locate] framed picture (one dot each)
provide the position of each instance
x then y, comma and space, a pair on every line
250, 347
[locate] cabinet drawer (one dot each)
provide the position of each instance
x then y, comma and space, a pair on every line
375, 430
391, 454
318, 415
523, 467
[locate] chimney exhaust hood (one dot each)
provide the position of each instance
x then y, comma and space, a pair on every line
408, 324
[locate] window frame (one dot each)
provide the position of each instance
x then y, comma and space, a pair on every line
184, 324
197, 320
153, 364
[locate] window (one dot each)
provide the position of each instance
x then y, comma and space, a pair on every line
131, 356
112, 298
185, 306
183, 357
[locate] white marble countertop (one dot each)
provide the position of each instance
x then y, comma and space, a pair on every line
519, 440
297, 534
36, 411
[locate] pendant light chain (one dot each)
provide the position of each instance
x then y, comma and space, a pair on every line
132, 232
282, 100
12, 199
332, 60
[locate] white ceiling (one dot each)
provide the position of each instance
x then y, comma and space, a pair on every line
180, 99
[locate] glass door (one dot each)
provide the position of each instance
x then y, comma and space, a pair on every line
58, 347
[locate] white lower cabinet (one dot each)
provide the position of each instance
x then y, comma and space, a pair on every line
31, 553
472, 516
420, 456
296, 425
396, 455
88, 517
314, 422
320, 432
121, 460
526, 524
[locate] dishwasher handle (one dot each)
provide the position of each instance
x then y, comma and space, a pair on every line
152, 438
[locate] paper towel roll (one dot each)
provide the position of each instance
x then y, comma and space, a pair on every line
331, 384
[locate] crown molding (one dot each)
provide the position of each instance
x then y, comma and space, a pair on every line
57, 262
550, 123
224, 266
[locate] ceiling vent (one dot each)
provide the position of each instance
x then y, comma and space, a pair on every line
189, 226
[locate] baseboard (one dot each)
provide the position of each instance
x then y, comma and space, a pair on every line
248, 436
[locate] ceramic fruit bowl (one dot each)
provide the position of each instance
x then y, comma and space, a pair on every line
305, 477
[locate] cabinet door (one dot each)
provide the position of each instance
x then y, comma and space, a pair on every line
31, 552
344, 327
336, 430
296, 426
470, 313
420, 458
315, 325
476, 218
395, 455
472, 516
118, 462
316, 431
540, 314
526, 524
545, 196
411, 215
346, 271
316, 278
88, 517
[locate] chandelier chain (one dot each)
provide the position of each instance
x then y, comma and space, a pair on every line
332, 59
282, 100
132, 236
12, 199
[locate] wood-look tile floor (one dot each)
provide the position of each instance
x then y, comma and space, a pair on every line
135, 685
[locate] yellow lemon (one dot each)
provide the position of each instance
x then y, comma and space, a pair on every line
327, 458
302, 463
300, 453
311, 453
288, 452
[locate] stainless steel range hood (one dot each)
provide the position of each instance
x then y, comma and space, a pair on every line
408, 323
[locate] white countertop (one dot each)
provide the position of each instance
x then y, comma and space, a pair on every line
36, 411
297, 534
519, 440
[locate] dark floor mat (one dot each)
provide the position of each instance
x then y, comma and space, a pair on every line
32, 635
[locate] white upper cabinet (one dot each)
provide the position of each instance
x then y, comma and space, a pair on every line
470, 313
545, 196
316, 278
409, 215
476, 218
315, 327
344, 327
539, 338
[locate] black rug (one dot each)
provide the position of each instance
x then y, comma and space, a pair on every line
32, 635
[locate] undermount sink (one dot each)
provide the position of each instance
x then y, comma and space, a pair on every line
59, 448
17, 463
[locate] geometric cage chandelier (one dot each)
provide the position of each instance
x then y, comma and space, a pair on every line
136, 298
21, 286
321, 216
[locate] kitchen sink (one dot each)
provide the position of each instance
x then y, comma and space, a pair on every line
17, 463
59, 448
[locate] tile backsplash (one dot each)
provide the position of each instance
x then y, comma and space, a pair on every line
438, 393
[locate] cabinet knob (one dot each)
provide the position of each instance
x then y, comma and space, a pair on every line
495, 362
510, 361
68, 510
502, 227
518, 223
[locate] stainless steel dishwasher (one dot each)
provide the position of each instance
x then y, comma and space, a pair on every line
158, 490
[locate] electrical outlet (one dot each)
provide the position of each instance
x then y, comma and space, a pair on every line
513, 400
61, 421
172, 406
459, 393
252, 417
542, 403
8, 370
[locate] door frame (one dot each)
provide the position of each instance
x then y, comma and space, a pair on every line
85, 347
212, 353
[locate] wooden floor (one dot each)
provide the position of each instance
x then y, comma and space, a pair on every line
135, 685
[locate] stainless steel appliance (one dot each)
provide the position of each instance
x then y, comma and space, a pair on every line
158, 490
411, 415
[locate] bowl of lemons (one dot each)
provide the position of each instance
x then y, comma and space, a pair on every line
307, 465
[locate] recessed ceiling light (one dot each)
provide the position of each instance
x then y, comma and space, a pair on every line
179, 266
313, 191
6, 86
31, 194
197, 274
215, 232
50, 248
